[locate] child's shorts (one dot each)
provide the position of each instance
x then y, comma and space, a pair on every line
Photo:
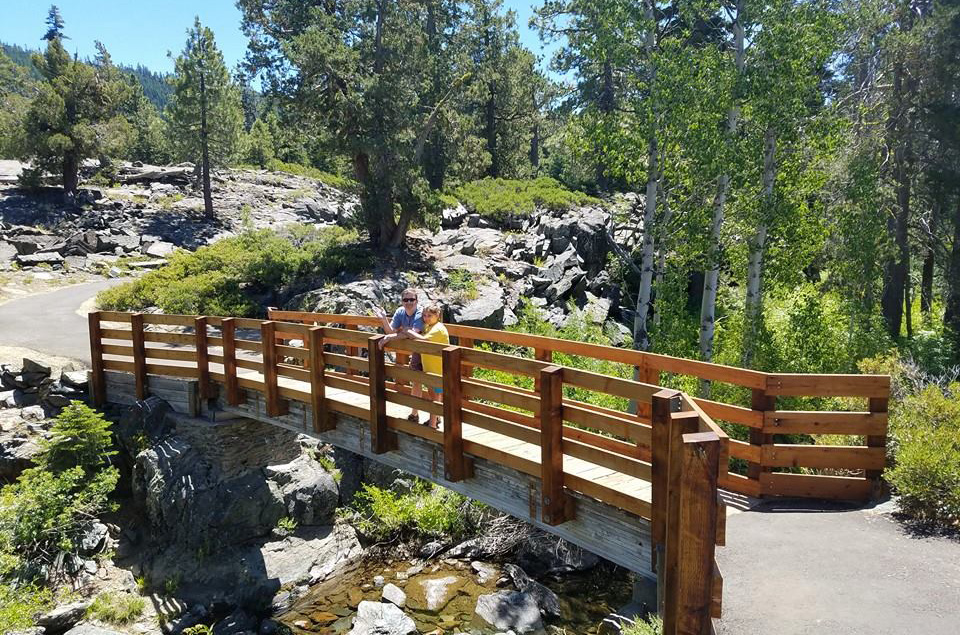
438, 390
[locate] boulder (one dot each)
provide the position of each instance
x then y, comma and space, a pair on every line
510, 610
486, 310
160, 249
237, 623
377, 618
545, 598
63, 617
90, 629
7, 252
309, 492
543, 554
590, 238
46, 257
394, 594
113, 242
453, 216
432, 594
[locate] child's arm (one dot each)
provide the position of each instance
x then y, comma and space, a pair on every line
386, 339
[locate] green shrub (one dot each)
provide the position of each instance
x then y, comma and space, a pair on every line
428, 510
338, 182
925, 442
48, 509
116, 609
653, 626
236, 276
287, 524
21, 605
499, 198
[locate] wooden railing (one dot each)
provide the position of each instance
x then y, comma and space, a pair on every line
776, 465
663, 466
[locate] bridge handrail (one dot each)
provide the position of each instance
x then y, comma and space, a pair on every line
852, 471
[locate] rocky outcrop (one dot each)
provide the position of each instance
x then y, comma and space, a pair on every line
377, 618
510, 610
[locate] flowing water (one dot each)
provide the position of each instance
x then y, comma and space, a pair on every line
441, 597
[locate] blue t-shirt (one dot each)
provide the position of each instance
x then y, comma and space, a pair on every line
401, 319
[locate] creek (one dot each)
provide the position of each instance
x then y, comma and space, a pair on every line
442, 595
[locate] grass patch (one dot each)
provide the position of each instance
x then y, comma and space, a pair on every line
116, 609
463, 285
238, 276
334, 181
653, 626
21, 605
426, 510
499, 198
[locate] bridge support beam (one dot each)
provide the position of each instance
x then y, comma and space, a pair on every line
381, 439
322, 422
228, 332
268, 340
456, 466
203, 360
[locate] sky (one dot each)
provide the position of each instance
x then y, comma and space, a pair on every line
143, 32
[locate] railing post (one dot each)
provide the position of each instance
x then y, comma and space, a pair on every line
454, 462
541, 355
692, 602
352, 351
466, 342
318, 396
139, 355
681, 423
203, 360
228, 332
877, 404
761, 401
98, 379
663, 405
379, 433
268, 343
555, 504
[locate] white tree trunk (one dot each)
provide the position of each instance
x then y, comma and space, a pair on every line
641, 332
711, 278
753, 308
662, 249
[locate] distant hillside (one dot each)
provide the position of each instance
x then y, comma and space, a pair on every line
154, 85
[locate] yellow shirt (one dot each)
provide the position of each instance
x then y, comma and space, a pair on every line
438, 334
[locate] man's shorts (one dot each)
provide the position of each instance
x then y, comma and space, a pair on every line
415, 362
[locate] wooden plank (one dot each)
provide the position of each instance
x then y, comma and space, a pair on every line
98, 381
613, 460
815, 486
294, 372
506, 363
139, 355
474, 390
168, 319
541, 355
201, 353
114, 316
379, 433
403, 374
228, 333
345, 361
173, 354
112, 364
353, 351
416, 403
733, 414
495, 424
169, 370
454, 462
276, 407
665, 403
824, 457
716, 599
697, 530
116, 334
721, 520
466, 342
802, 422
745, 451
554, 510
741, 484
322, 421
168, 338
338, 381
795, 385
249, 364
626, 388
295, 352
617, 426
117, 350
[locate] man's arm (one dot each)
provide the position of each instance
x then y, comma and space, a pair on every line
387, 327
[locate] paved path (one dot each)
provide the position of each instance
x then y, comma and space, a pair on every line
48, 322
799, 568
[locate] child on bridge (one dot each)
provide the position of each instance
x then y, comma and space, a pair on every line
434, 331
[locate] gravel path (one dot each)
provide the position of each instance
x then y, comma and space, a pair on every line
50, 322
801, 567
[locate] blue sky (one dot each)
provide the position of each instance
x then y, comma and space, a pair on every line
143, 31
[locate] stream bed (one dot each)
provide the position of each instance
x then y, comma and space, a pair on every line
441, 596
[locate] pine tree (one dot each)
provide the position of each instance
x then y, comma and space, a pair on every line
260, 148
205, 111
80, 437
54, 25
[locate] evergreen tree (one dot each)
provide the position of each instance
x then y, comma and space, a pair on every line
260, 144
54, 25
16, 89
74, 116
204, 113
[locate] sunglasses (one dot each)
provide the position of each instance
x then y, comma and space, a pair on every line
409, 299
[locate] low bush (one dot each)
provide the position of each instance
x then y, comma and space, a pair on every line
20, 605
118, 609
925, 443
652, 626
238, 276
426, 510
499, 198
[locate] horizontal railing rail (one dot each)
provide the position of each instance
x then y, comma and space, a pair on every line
775, 464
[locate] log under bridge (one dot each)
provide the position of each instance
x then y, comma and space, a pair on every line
635, 480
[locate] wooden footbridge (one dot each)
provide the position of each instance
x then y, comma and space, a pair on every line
634, 480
